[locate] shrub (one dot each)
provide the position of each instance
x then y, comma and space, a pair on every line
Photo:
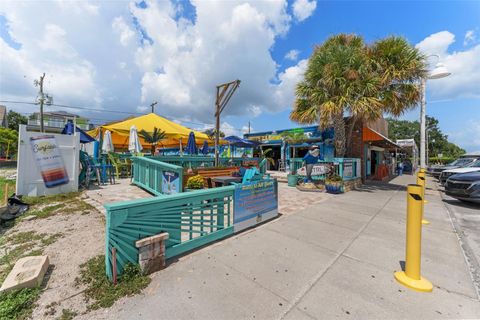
334, 178
195, 182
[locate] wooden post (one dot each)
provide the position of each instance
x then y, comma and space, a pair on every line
114, 265
5, 196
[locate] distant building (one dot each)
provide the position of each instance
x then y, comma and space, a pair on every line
55, 121
3, 117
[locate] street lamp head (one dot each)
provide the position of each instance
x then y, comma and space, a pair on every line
439, 72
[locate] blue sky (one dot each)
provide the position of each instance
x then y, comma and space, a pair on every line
120, 56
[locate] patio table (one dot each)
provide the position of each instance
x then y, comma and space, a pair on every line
225, 180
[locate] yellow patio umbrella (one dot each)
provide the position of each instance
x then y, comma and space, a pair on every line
175, 133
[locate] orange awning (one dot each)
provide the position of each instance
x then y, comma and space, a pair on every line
370, 135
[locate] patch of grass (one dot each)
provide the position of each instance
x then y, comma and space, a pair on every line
46, 211
101, 290
18, 304
13, 255
67, 314
44, 200
23, 237
51, 239
11, 186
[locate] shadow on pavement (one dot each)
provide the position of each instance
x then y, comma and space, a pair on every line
463, 204
372, 186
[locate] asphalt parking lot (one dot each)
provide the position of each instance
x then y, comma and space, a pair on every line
466, 221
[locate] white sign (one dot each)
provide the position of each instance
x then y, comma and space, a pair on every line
49, 160
318, 170
348, 169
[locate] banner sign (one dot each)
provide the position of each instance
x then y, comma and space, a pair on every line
170, 182
49, 160
254, 202
318, 170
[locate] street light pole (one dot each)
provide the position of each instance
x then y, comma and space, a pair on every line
422, 123
439, 72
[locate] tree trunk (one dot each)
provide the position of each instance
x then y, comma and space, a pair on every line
153, 149
339, 135
351, 127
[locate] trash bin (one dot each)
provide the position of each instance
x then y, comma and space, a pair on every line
292, 180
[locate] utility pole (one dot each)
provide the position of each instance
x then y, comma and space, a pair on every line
42, 98
153, 106
224, 93
249, 127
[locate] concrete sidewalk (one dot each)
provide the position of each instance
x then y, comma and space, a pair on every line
332, 260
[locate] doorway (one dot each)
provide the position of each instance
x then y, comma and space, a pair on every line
275, 154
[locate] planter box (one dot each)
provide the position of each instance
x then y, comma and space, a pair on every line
334, 188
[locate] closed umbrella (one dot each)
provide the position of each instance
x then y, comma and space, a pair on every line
191, 144
107, 145
134, 145
205, 147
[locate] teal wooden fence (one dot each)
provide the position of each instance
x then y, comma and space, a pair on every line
187, 161
147, 174
192, 219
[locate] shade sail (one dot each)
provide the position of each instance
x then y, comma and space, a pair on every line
174, 132
69, 129
239, 142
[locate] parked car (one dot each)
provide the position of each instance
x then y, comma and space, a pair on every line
464, 186
459, 163
472, 167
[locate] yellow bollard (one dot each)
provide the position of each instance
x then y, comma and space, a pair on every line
422, 170
421, 182
411, 277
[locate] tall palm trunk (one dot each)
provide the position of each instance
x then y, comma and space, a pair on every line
339, 134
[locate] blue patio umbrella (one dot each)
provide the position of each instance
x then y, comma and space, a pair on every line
69, 129
205, 147
191, 144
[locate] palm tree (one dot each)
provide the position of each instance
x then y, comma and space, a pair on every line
153, 137
211, 133
293, 138
347, 76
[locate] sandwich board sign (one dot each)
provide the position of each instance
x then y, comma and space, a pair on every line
254, 202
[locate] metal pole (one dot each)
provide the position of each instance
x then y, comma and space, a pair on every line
42, 98
422, 123
217, 129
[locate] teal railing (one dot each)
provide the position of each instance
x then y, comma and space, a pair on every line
347, 168
148, 174
187, 161
192, 219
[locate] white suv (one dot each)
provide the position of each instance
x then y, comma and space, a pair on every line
475, 166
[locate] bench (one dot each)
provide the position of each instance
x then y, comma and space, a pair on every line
209, 173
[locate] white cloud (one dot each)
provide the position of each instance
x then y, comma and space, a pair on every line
470, 37
254, 111
292, 55
464, 66
228, 129
119, 56
469, 137
126, 33
436, 43
302, 9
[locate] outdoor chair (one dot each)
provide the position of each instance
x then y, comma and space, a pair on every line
90, 171
105, 169
121, 167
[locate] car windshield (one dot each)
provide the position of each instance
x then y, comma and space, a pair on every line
476, 164
461, 162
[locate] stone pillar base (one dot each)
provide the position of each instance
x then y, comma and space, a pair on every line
151, 253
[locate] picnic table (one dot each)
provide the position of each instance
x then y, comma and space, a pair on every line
225, 180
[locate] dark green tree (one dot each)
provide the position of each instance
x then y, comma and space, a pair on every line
211, 133
437, 141
15, 119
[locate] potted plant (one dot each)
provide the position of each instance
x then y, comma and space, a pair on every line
194, 183
334, 184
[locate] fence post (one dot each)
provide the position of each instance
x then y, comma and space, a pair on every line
411, 277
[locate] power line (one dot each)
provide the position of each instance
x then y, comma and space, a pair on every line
112, 111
